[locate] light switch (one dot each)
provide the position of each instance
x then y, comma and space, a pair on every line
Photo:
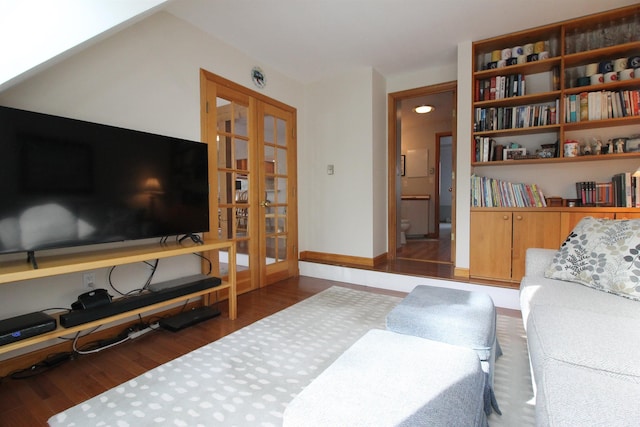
329, 169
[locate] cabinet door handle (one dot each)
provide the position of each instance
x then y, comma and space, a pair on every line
505, 217
519, 217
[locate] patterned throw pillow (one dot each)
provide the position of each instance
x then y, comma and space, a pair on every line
603, 254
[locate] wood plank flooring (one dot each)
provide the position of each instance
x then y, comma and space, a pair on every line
31, 402
434, 250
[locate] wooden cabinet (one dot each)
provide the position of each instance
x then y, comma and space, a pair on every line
13, 271
490, 244
569, 218
500, 238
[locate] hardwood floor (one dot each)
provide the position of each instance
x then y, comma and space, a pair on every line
434, 250
32, 401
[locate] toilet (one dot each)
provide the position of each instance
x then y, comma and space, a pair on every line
404, 226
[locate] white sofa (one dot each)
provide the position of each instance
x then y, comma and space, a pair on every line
584, 348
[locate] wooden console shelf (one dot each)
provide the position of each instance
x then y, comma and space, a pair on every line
13, 271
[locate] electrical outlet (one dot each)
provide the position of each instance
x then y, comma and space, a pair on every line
89, 280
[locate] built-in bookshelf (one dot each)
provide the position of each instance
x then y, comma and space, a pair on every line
538, 89
556, 107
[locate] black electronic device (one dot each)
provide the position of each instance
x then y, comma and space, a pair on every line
66, 182
78, 317
25, 326
189, 318
92, 299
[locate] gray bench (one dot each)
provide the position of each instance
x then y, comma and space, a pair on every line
452, 316
390, 379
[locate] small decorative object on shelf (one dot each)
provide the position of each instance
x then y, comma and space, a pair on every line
554, 201
633, 144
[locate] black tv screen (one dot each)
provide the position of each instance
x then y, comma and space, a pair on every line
66, 182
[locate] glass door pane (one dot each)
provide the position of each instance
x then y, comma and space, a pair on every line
234, 175
275, 253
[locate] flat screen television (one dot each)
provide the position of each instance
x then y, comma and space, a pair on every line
66, 182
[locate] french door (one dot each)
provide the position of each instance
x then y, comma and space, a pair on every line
252, 174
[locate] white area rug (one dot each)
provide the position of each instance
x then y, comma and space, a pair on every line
247, 378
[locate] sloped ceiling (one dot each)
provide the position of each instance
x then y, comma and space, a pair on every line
306, 40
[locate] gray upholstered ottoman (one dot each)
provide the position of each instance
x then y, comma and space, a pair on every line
384, 379
452, 316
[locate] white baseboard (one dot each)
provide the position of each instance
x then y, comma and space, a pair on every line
502, 297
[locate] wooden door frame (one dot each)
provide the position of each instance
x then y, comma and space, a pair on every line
436, 198
393, 161
208, 83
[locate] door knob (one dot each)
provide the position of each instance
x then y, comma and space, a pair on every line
265, 203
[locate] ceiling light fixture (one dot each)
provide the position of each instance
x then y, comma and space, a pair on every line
423, 109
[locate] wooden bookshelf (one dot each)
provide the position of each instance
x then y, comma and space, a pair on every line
499, 236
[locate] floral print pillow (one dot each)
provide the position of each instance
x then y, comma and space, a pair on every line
603, 254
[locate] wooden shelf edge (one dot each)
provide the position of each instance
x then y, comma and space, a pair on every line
518, 131
601, 157
522, 100
604, 123
61, 331
556, 209
53, 265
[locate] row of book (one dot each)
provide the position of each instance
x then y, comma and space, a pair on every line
623, 191
495, 193
499, 87
601, 105
485, 149
499, 118
591, 193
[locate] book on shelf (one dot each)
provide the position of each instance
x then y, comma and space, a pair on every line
485, 149
494, 193
625, 190
601, 105
499, 87
524, 116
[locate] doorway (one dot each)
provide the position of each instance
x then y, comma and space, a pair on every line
252, 180
422, 174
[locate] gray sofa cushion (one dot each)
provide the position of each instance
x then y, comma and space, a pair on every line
576, 396
604, 342
535, 289
585, 365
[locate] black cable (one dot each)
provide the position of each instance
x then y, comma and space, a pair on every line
153, 266
206, 259
153, 272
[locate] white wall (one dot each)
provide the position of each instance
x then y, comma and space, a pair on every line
26, 27
379, 171
339, 212
145, 77
463, 154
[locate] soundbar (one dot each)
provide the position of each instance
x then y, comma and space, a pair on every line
25, 326
197, 283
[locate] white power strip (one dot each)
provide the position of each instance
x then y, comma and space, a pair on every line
135, 334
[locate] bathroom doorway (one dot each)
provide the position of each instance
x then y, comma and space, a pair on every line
422, 171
